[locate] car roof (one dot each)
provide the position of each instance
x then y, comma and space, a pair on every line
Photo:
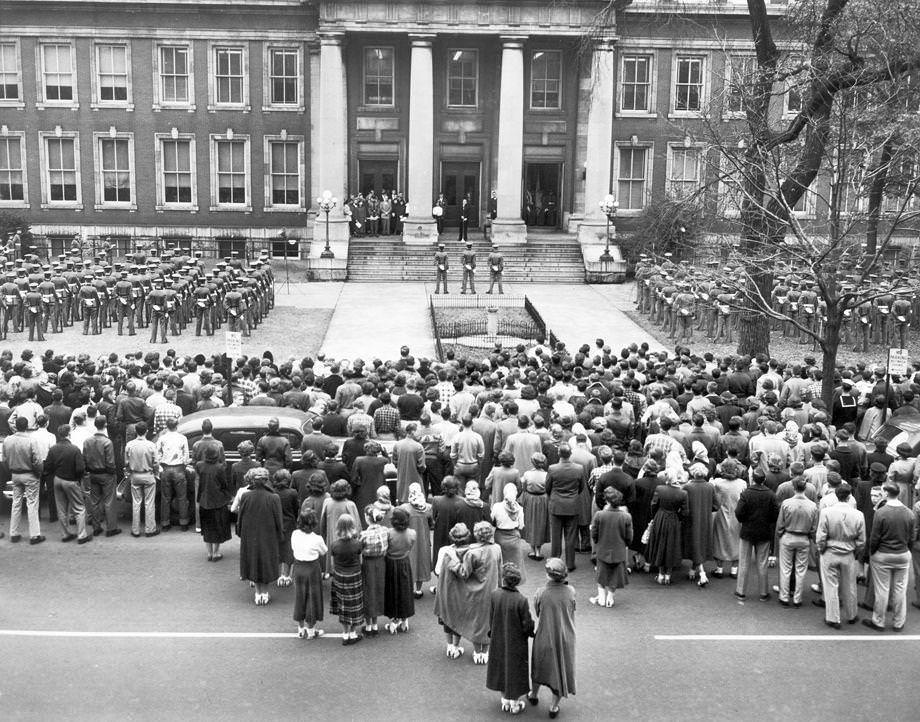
244, 416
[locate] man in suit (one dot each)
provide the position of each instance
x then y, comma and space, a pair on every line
469, 266
496, 269
564, 482
465, 210
441, 264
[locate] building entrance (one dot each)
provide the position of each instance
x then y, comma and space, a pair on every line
376, 176
541, 197
459, 180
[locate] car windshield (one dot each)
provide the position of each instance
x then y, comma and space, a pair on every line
232, 438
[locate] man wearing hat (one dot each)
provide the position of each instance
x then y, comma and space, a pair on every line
441, 266
496, 269
48, 295
62, 296
33, 312
468, 259
156, 310
845, 406
9, 305
89, 305
904, 471
124, 303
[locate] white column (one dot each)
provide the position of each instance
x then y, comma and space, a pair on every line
330, 154
420, 227
599, 143
508, 226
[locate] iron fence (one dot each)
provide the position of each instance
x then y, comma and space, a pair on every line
477, 301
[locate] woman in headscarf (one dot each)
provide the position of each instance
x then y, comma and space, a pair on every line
552, 657
261, 530
373, 567
726, 529
398, 602
290, 510
334, 507
611, 532
511, 627
473, 509
450, 601
536, 509
669, 509
421, 522
367, 475
481, 569
383, 504
640, 510
213, 499
501, 475
301, 478
308, 549
508, 518
347, 588
698, 523
238, 471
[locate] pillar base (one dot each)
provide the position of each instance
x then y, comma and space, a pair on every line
420, 231
509, 232
338, 237
592, 230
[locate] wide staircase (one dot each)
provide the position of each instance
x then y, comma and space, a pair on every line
544, 258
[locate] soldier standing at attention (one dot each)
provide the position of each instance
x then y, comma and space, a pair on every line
441, 264
9, 292
156, 310
89, 305
49, 303
62, 294
203, 307
124, 303
469, 266
171, 307
496, 269
33, 309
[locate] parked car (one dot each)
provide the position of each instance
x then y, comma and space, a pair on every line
902, 427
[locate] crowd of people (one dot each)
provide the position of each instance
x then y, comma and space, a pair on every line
418, 473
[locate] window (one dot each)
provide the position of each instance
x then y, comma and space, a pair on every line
288, 248
792, 100
115, 171
636, 84
546, 79
12, 174
112, 76
10, 75
689, 87
378, 76
463, 78
230, 172
731, 192
742, 70
805, 206
179, 244
61, 169
284, 76
683, 172
231, 248
176, 178
632, 177
57, 63
175, 85
228, 76
284, 173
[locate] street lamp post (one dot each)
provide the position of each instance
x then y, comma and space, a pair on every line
326, 203
608, 207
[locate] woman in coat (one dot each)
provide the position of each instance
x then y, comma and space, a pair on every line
290, 510
445, 512
501, 475
398, 600
451, 597
611, 532
726, 530
640, 510
508, 518
481, 569
261, 531
698, 526
472, 508
213, 499
511, 628
334, 507
536, 510
421, 522
367, 475
552, 657
665, 544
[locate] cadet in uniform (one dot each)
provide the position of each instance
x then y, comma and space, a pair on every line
468, 259
124, 304
89, 305
156, 310
441, 265
902, 309
33, 308
203, 311
49, 303
170, 307
9, 297
496, 269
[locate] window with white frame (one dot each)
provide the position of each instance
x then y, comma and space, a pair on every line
228, 76
804, 207
115, 171
284, 76
10, 73
285, 171
792, 99
463, 78
230, 172
633, 176
175, 83
378, 76
176, 177
731, 189
689, 83
741, 73
12, 172
58, 79
546, 80
636, 83
113, 75
684, 171
61, 169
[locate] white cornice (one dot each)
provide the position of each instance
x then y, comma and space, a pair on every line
75, 31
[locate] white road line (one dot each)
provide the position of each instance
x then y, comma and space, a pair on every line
155, 635
786, 638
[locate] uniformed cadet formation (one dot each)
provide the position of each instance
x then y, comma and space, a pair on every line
496, 263
684, 299
166, 293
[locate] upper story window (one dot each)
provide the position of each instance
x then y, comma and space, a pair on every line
60, 162
689, 84
230, 172
633, 173
546, 79
463, 78
10, 74
12, 172
175, 84
115, 171
113, 75
378, 76
176, 177
284, 76
228, 76
742, 70
792, 100
58, 80
285, 173
636, 83
684, 171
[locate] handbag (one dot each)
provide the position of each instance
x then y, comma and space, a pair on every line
647, 533
122, 487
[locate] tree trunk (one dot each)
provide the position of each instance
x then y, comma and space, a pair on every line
876, 194
829, 356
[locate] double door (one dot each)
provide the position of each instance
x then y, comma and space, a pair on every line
459, 180
376, 176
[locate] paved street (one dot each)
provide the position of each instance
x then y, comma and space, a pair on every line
190, 643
